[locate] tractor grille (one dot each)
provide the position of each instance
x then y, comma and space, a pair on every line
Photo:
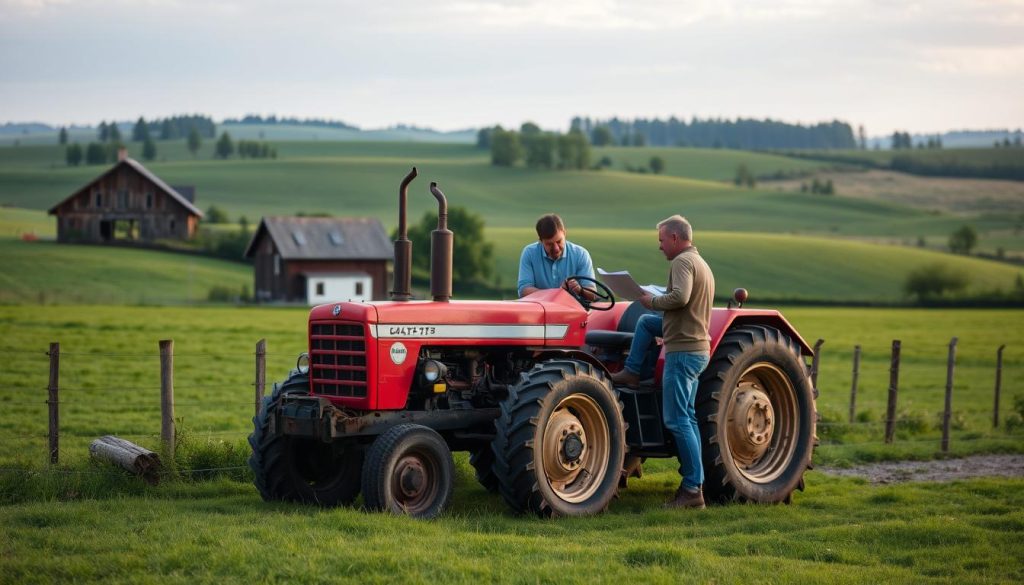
337, 353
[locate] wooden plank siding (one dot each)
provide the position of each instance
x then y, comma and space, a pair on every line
125, 198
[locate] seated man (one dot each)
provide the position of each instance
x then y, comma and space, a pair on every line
550, 261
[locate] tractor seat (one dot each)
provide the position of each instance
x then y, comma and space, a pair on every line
614, 340
622, 337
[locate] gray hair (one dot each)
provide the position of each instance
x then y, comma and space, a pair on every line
678, 225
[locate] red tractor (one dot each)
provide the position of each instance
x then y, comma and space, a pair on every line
388, 390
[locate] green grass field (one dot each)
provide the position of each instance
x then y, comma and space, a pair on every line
110, 369
85, 523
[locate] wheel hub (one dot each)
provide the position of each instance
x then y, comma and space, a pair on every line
411, 477
751, 423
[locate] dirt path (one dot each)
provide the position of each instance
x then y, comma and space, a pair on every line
945, 470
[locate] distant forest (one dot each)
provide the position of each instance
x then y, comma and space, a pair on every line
272, 120
746, 134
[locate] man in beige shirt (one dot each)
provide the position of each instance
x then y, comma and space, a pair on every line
684, 328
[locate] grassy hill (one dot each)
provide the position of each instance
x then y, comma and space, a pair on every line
48, 273
779, 244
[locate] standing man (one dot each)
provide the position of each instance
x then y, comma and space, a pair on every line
684, 328
550, 261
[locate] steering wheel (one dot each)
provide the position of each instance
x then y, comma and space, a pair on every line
603, 293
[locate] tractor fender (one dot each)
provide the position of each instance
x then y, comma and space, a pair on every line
722, 320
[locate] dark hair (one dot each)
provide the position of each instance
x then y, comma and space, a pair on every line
549, 225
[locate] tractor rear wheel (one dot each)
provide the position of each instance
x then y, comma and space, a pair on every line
757, 416
298, 469
560, 441
482, 460
409, 470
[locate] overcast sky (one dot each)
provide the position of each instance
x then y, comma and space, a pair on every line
451, 64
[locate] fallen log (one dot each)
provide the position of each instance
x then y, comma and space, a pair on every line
128, 456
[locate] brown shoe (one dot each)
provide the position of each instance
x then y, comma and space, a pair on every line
626, 378
687, 499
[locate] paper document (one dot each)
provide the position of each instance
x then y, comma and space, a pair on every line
624, 287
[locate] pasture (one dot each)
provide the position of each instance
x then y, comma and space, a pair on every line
110, 371
82, 522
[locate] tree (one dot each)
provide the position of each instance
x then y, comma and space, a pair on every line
601, 136
505, 147
657, 165
140, 132
573, 151
215, 215
862, 137
148, 149
194, 141
483, 138
473, 256
167, 130
529, 128
932, 281
744, 178
639, 139
62, 138
103, 132
539, 148
95, 154
114, 132
73, 155
224, 147
963, 240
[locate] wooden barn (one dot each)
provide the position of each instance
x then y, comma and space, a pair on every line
127, 203
317, 260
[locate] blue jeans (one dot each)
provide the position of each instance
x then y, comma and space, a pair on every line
643, 352
679, 391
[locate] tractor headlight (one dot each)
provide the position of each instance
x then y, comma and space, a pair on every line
433, 371
302, 363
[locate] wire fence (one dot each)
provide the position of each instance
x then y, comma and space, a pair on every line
75, 398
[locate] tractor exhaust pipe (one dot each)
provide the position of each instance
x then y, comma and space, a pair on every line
403, 246
441, 244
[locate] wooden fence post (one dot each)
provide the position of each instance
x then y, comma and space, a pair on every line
53, 401
853, 386
814, 363
261, 372
949, 395
894, 381
999, 383
167, 399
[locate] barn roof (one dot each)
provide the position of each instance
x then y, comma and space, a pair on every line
137, 166
325, 238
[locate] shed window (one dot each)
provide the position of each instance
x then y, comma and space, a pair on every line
320, 289
149, 201
336, 237
99, 199
122, 198
299, 237
359, 289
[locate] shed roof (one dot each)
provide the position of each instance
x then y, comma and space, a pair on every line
137, 166
325, 238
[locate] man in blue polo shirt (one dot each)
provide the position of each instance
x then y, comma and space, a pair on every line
550, 261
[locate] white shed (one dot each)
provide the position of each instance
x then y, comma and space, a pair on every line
326, 287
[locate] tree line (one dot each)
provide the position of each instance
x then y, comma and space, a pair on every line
537, 148
274, 120
742, 133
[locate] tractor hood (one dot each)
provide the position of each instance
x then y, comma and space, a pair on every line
550, 318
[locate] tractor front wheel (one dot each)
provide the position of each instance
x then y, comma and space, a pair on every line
757, 416
409, 470
298, 469
560, 441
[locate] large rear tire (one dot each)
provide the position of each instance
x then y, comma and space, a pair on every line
757, 416
298, 469
560, 441
409, 470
